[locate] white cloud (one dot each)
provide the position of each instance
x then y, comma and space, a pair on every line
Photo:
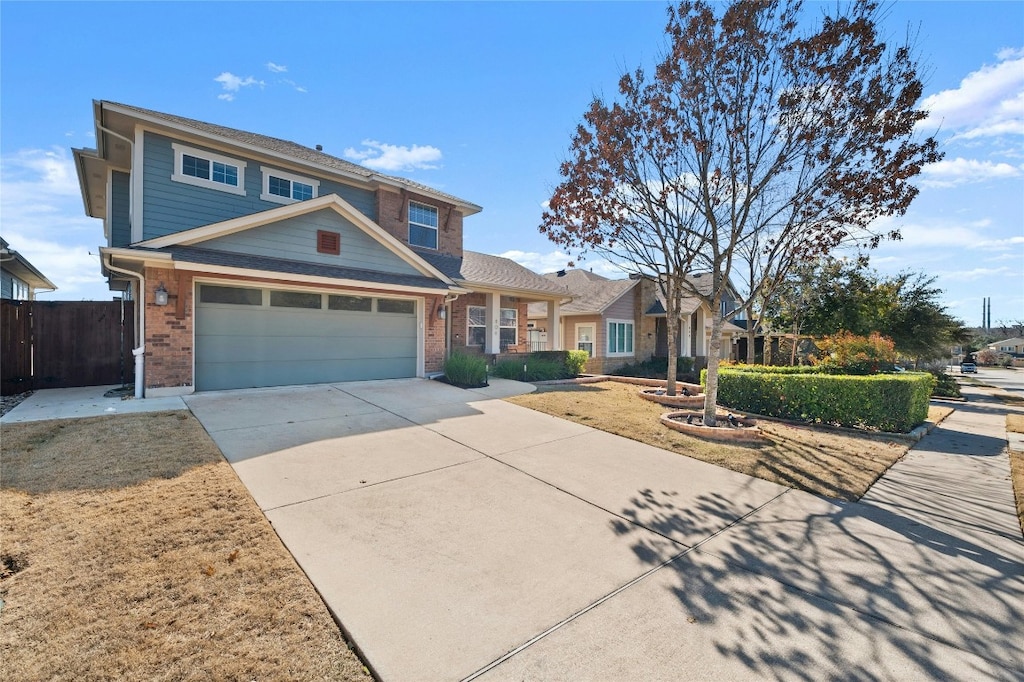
43, 219
978, 273
276, 68
960, 171
389, 157
558, 260
233, 84
989, 101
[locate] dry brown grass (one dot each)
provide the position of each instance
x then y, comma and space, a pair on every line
831, 462
132, 551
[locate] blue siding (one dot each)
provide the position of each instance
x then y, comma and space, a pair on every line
295, 239
120, 209
170, 207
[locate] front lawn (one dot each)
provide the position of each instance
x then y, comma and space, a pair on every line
831, 462
130, 550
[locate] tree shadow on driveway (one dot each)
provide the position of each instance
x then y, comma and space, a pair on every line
805, 581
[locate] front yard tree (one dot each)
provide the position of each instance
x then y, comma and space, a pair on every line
751, 127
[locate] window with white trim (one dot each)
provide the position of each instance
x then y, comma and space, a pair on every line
201, 168
620, 337
476, 325
422, 225
508, 327
287, 188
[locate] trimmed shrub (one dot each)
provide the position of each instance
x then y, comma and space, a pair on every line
467, 371
571, 362
889, 402
656, 368
945, 385
536, 369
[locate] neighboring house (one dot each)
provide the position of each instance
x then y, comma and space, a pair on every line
1011, 349
19, 279
255, 261
1014, 346
624, 321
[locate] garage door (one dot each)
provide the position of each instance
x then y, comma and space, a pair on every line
248, 337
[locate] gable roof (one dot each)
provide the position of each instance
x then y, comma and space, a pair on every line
591, 293
482, 271
333, 202
276, 146
18, 266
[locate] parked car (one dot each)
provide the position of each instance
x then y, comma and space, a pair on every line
968, 368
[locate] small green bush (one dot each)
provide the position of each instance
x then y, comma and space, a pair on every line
467, 371
570, 362
890, 402
575, 361
945, 385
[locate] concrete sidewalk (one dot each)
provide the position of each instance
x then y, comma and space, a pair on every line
460, 537
85, 401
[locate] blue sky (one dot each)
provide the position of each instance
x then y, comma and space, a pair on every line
476, 99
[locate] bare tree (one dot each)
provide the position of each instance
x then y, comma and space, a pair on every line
753, 132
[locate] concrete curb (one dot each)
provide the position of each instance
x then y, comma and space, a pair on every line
1015, 441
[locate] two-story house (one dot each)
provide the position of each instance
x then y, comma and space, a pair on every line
255, 261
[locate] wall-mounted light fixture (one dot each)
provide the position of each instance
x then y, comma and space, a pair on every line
160, 295
442, 312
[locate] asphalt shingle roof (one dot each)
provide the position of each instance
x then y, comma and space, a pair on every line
292, 149
491, 271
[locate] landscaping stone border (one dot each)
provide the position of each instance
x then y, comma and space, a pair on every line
748, 431
658, 395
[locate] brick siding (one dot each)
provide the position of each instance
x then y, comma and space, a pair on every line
393, 217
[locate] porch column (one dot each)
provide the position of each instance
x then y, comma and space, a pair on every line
684, 337
492, 332
554, 326
700, 334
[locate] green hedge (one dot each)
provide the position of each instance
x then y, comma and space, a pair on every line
530, 369
571, 361
655, 368
890, 402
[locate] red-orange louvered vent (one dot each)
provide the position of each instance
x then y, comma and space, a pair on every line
328, 242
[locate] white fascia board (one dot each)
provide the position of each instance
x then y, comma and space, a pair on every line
309, 280
514, 291
467, 207
159, 260
329, 201
81, 156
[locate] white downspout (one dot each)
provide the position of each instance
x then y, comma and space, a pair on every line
140, 322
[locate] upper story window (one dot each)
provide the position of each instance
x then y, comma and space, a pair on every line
207, 169
422, 225
287, 188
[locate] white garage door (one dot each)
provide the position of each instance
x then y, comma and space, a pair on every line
248, 337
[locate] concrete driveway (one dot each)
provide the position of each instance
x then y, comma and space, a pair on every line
457, 536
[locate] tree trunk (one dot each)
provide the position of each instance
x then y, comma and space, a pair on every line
711, 391
672, 329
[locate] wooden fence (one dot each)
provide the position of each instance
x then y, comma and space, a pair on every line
60, 344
